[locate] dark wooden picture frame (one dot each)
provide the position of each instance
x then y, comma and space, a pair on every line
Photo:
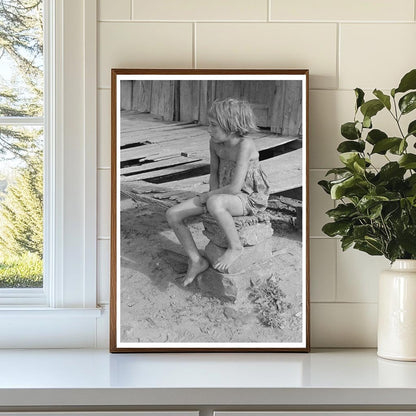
160, 157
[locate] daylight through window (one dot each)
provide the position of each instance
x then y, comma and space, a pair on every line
21, 143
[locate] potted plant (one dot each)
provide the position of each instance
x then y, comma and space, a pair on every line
376, 209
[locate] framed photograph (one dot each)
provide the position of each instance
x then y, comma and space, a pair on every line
209, 211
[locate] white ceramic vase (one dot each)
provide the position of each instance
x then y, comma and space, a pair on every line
397, 312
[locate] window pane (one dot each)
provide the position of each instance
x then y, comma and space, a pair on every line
21, 58
21, 207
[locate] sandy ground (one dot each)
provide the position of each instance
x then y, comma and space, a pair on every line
156, 308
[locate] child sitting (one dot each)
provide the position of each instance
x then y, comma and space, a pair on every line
238, 185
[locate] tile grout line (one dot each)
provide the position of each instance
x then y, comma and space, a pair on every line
343, 303
336, 271
131, 9
338, 63
308, 22
269, 11
194, 62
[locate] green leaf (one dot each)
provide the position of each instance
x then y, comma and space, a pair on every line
411, 130
338, 189
375, 136
407, 240
383, 145
385, 99
393, 250
342, 211
393, 92
391, 170
367, 122
348, 158
346, 242
375, 211
408, 82
349, 131
361, 231
325, 186
402, 147
352, 187
408, 161
408, 102
369, 201
359, 94
336, 228
398, 149
368, 248
371, 108
338, 171
350, 146
359, 165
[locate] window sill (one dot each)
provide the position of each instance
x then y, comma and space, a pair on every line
36, 312
40, 327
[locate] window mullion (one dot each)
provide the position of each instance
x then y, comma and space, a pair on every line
22, 121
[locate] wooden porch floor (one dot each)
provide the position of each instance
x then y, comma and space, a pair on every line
170, 160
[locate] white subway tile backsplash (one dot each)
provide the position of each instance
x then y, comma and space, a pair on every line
341, 10
346, 325
376, 55
142, 45
272, 45
200, 10
327, 111
104, 202
357, 275
104, 129
369, 53
114, 10
323, 269
319, 203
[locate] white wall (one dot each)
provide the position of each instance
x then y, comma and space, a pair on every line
345, 44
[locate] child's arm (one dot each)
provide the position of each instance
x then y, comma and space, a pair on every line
214, 162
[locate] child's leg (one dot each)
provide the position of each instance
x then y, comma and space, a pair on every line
223, 207
176, 216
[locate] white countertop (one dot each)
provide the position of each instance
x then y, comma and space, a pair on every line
96, 377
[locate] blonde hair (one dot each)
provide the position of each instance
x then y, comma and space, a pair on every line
233, 116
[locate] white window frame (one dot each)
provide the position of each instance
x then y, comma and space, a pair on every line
64, 313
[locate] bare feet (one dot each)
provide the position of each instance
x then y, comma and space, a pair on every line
194, 269
227, 259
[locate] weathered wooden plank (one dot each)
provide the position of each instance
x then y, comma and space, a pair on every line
262, 143
292, 108
277, 107
162, 100
142, 92
126, 94
157, 125
189, 100
160, 136
179, 160
196, 146
175, 147
203, 103
170, 170
284, 172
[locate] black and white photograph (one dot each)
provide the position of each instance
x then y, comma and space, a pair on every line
209, 240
